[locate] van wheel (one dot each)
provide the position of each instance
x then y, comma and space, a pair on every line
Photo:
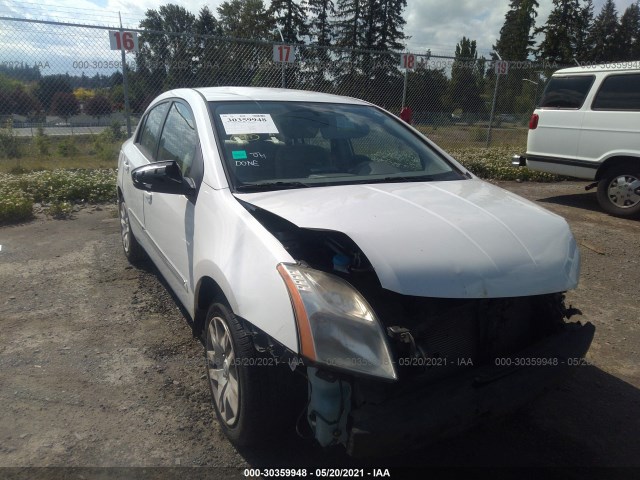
243, 393
619, 191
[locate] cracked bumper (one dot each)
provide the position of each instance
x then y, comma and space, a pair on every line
453, 405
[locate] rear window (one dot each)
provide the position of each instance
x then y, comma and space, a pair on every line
566, 92
618, 92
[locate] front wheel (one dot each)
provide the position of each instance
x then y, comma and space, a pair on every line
244, 385
619, 191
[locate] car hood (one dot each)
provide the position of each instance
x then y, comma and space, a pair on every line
455, 239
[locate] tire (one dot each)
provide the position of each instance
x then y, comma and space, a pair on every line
132, 249
619, 191
244, 385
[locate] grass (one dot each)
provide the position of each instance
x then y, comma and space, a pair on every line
57, 152
461, 136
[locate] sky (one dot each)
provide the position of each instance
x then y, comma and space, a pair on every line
437, 25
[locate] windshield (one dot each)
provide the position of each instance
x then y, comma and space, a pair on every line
274, 145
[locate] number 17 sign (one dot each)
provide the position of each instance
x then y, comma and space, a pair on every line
126, 40
284, 54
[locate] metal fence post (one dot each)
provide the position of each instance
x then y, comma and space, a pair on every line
125, 83
493, 110
404, 90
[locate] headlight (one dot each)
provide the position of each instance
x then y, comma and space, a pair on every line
336, 325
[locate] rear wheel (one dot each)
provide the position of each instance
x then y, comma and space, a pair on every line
619, 191
132, 248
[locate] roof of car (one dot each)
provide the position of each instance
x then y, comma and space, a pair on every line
604, 67
277, 94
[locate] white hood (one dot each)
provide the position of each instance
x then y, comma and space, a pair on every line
457, 239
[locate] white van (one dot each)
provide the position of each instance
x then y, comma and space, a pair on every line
587, 125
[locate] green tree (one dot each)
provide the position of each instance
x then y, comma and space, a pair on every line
629, 33
49, 86
426, 93
321, 29
166, 56
6, 103
515, 44
64, 105
465, 86
371, 25
14, 98
25, 103
291, 18
517, 32
241, 62
583, 41
561, 32
98, 106
604, 34
209, 50
391, 24
321, 33
245, 19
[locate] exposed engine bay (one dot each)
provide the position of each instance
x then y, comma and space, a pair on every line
431, 338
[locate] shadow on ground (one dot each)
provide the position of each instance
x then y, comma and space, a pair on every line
585, 201
590, 421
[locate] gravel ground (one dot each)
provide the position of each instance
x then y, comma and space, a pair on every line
98, 366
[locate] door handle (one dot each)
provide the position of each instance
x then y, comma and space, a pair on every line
126, 166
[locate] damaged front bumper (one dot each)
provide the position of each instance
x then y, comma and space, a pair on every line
450, 406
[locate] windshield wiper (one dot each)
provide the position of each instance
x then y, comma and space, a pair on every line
413, 178
271, 186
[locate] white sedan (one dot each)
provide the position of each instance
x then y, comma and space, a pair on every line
346, 275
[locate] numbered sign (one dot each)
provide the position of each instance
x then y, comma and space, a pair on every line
502, 67
284, 54
408, 61
126, 40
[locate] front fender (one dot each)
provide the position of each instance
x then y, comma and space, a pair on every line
241, 256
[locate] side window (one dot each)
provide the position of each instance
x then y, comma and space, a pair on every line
179, 138
151, 130
618, 92
566, 92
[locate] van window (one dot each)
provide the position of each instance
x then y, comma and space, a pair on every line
618, 92
566, 92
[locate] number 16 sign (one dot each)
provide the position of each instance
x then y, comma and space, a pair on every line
128, 40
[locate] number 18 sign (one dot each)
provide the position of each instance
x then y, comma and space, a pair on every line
128, 40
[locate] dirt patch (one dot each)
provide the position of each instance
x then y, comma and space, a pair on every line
98, 366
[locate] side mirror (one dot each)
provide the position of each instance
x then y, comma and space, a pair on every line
162, 177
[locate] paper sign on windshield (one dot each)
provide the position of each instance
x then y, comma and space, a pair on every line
238, 123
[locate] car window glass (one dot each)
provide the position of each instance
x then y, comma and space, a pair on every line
151, 130
179, 139
566, 92
320, 143
618, 92
382, 147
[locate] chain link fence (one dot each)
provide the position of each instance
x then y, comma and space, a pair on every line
62, 79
